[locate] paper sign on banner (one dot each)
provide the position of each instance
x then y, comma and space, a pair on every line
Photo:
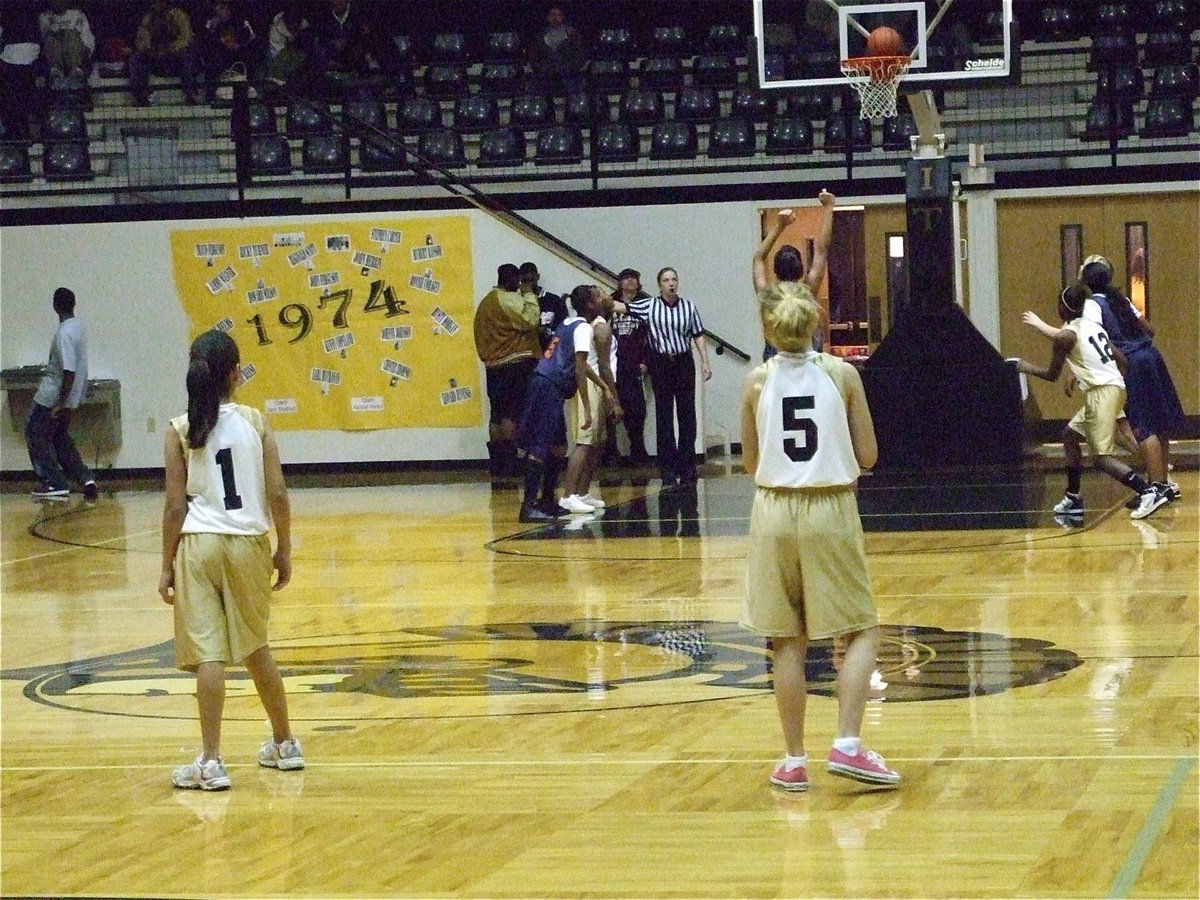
295, 317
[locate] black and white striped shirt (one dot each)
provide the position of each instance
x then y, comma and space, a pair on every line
672, 327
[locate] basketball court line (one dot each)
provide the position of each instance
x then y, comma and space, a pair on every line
1148, 836
1182, 769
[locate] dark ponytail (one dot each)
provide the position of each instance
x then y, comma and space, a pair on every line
1127, 317
213, 356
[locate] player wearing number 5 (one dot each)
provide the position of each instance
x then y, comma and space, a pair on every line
224, 487
806, 430
1097, 365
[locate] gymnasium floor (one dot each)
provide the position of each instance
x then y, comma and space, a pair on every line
491, 709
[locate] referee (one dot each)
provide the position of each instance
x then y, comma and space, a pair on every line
674, 325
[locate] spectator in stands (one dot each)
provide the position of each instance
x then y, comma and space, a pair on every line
552, 309
67, 40
287, 46
165, 45
228, 43
342, 42
506, 327
19, 52
557, 54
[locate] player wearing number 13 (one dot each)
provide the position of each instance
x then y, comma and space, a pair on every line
806, 430
224, 487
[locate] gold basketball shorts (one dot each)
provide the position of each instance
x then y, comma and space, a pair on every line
222, 597
1103, 405
806, 565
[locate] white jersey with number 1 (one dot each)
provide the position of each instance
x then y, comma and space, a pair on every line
803, 434
226, 483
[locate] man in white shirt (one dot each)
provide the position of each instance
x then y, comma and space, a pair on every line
52, 452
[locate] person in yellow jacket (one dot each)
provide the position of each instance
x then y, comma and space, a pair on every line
506, 340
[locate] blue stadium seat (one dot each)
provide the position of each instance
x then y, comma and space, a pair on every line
14, 162
789, 134
503, 46
366, 112
377, 154
322, 153
66, 161
1174, 80
897, 130
861, 134
697, 104
64, 123
1168, 117
661, 72
476, 113
715, 69
673, 140
262, 119
270, 154
641, 107
449, 47
500, 78
728, 138
306, 117
608, 75
502, 147
1125, 82
1102, 124
531, 110
419, 114
559, 144
617, 142
447, 80
753, 104
443, 147
614, 43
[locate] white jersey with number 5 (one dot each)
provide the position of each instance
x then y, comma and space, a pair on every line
1092, 360
803, 434
226, 485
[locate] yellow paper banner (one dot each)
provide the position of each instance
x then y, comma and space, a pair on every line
341, 326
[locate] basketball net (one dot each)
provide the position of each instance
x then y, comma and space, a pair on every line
876, 79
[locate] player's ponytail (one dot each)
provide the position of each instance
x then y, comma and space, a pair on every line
213, 356
790, 315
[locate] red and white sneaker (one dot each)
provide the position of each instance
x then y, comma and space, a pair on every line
865, 765
790, 779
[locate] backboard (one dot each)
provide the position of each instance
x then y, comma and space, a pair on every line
800, 43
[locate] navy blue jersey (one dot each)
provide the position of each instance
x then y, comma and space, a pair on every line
558, 359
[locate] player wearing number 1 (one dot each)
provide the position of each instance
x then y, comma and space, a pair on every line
224, 487
806, 430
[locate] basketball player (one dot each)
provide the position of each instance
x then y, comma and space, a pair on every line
1096, 364
224, 487
589, 441
559, 375
789, 264
806, 430
1151, 403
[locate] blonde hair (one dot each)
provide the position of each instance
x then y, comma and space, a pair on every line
789, 315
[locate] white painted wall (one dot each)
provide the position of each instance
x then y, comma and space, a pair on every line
137, 332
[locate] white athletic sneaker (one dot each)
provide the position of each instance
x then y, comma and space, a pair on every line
1151, 499
200, 775
592, 500
573, 503
284, 755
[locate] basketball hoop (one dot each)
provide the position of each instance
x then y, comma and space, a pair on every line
876, 79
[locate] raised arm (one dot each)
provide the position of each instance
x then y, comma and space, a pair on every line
758, 266
815, 273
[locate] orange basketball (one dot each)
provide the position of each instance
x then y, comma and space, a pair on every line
884, 41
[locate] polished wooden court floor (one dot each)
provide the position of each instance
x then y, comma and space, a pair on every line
497, 710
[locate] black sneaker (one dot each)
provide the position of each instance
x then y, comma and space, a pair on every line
533, 514
90, 491
550, 507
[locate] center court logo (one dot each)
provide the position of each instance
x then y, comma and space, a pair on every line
540, 667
